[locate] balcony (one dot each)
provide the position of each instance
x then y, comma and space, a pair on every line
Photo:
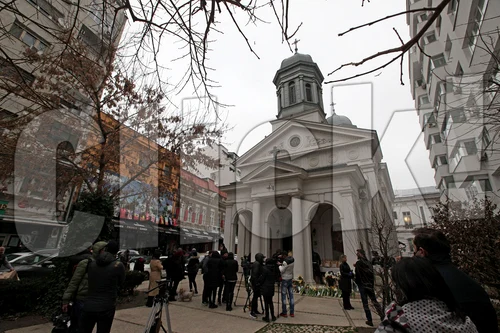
437, 149
441, 172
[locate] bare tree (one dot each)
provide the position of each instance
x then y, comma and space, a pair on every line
385, 245
398, 51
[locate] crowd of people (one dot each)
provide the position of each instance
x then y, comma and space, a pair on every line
431, 294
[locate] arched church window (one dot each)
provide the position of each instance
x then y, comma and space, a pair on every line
308, 92
291, 92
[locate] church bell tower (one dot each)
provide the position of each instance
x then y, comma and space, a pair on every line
298, 89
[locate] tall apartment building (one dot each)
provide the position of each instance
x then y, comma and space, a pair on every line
40, 27
454, 78
412, 209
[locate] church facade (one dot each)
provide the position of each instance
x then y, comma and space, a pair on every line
309, 185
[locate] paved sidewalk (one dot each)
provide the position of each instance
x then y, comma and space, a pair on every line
193, 317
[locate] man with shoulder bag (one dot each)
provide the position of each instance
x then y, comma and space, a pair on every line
77, 289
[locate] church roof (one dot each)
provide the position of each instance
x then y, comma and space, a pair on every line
339, 120
297, 57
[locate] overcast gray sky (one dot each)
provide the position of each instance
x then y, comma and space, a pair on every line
246, 82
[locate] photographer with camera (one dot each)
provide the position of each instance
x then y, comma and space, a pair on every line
257, 270
286, 270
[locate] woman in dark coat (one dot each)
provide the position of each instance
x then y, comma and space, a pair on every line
175, 272
213, 277
192, 269
345, 284
267, 281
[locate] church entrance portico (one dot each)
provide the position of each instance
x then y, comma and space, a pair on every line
326, 232
279, 225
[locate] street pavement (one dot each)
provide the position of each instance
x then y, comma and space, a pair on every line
312, 314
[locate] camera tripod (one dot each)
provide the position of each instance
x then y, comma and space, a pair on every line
243, 278
154, 323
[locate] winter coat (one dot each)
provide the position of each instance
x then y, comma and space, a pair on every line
106, 275
155, 275
175, 267
267, 281
204, 264
424, 316
365, 276
78, 286
139, 265
469, 295
230, 269
346, 275
75, 260
257, 270
214, 271
286, 269
193, 265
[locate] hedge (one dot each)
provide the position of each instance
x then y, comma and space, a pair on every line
44, 296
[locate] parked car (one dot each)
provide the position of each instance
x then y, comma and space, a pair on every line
30, 257
33, 266
132, 253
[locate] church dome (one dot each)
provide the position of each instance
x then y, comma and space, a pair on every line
338, 120
297, 57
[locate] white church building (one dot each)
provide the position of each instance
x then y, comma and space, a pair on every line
308, 185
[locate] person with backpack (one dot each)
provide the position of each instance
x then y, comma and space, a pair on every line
106, 275
85, 253
77, 289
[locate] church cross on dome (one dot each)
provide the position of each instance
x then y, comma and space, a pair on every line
295, 42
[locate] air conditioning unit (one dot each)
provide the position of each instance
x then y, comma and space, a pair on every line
431, 124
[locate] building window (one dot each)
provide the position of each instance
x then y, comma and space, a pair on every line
429, 119
196, 215
439, 161
485, 138
47, 9
27, 37
422, 214
212, 217
407, 220
430, 38
395, 215
438, 25
459, 71
181, 212
476, 24
438, 61
452, 7
95, 44
423, 99
422, 17
433, 139
203, 216
308, 93
291, 92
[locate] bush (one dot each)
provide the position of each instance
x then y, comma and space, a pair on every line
132, 280
21, 296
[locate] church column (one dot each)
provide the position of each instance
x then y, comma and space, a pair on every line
301, 89
256, 230
308, 275
229, 229
242, 229
349, 226
298, 239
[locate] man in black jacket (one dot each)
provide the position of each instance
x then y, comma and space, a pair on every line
365, 279
257, 270
230, 277
106, 274
470, 296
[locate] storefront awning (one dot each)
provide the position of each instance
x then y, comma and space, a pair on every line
196, 236
142, 226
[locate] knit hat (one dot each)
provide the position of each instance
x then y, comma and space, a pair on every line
112, 247
97, 247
